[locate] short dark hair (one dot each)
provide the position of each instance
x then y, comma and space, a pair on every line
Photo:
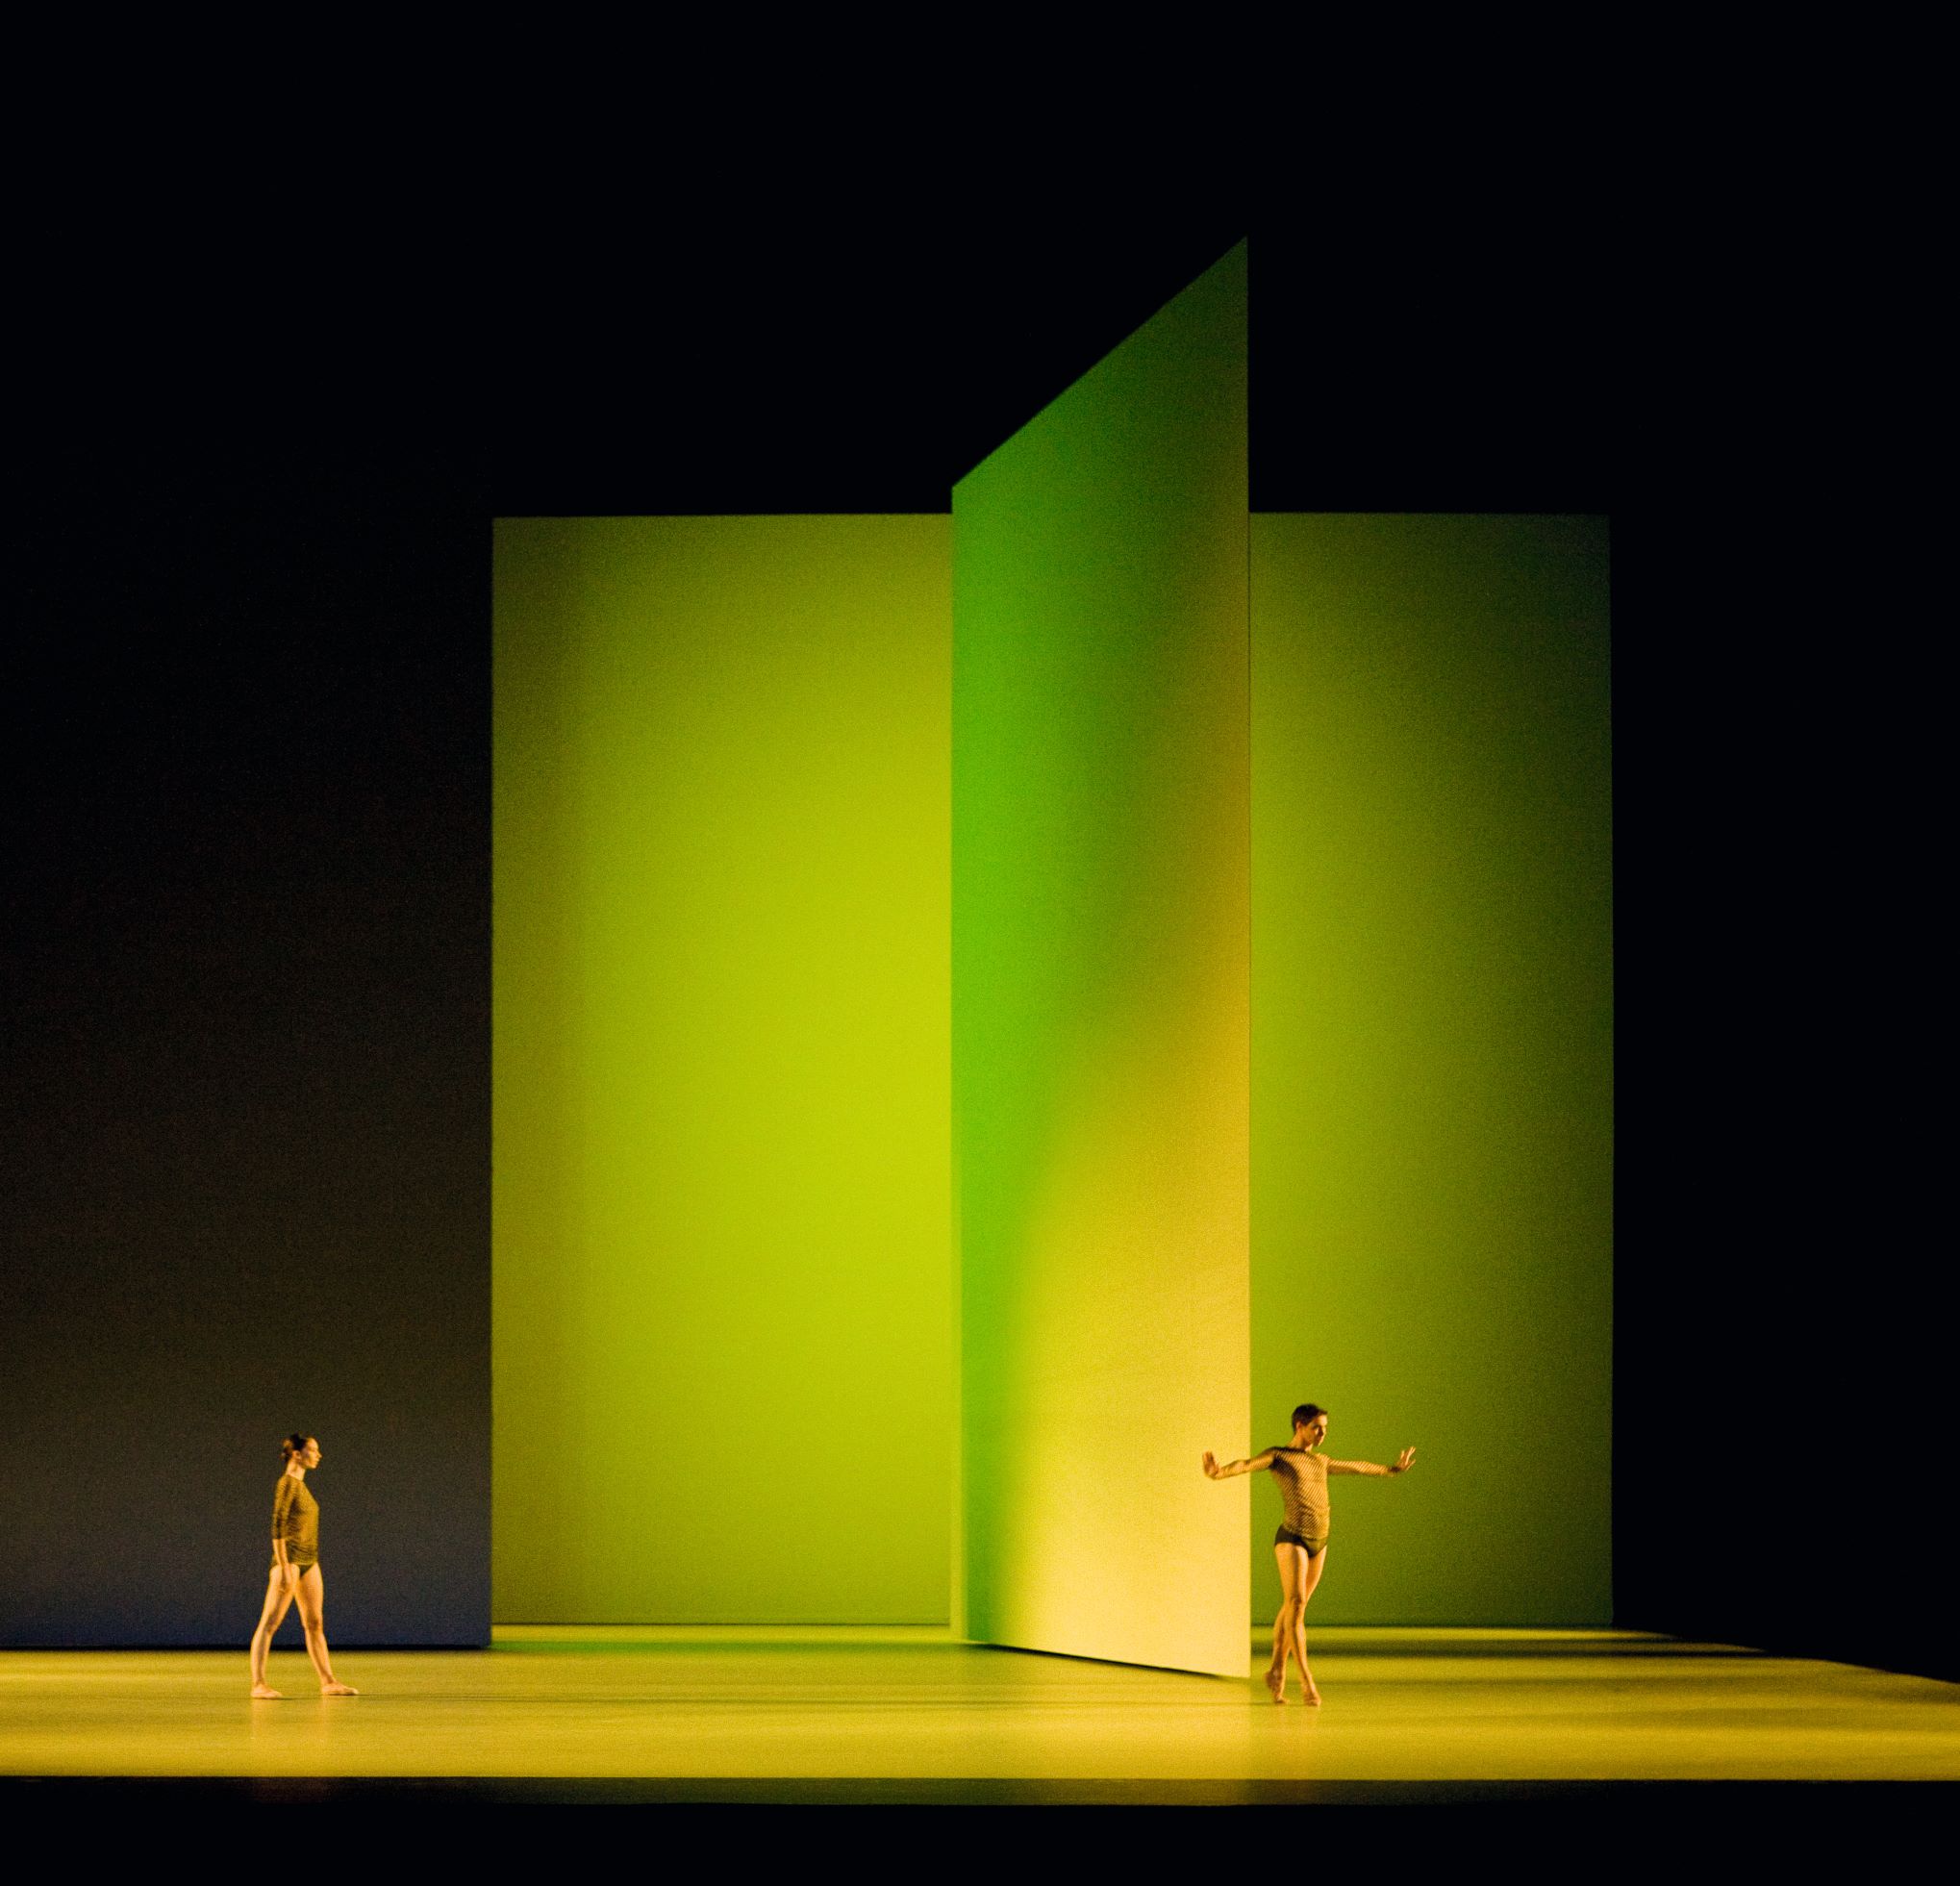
1306, 1412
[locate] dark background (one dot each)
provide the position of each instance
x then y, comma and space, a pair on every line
245, 1007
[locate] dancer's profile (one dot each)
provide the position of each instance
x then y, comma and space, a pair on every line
295, 1572
1300, 1544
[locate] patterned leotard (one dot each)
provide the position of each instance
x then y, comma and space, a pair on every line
296, 1518
1302, 1480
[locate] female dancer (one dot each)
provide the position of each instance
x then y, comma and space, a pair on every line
295, 1570
1300, 1544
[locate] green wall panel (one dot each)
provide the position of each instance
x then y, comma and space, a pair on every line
1432, 1103
1101, 990
723, 1323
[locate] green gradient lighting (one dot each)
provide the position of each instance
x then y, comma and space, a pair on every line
1101, 923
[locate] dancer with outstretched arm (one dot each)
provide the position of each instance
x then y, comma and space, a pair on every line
295, 1572
1300, 1544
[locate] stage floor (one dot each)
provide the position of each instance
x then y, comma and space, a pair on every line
702, 1715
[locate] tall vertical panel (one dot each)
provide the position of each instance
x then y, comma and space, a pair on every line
1432, 1075
722, 1302
1100, 993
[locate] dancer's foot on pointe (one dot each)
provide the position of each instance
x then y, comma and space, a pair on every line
1275, 1681
266, 1693
338, 1690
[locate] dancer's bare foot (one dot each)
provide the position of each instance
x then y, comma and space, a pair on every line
338, 1690
1275, 1681
1313, 1694
266, 1693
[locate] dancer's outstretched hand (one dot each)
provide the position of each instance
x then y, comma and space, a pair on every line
1404, 1461
1211, 1466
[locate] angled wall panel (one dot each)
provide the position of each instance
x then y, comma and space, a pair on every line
1101, 786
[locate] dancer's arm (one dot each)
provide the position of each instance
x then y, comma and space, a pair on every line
1403, 1461
1258, 1464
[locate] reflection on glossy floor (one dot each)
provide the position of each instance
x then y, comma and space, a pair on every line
1400, 1705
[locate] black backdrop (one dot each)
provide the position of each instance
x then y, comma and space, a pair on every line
246, 972
247, 1067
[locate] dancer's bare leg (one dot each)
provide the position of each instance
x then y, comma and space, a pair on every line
278, 1596
1310, 1578
1291, 1562
312, 1615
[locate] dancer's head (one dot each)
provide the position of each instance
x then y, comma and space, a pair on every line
300, 1447
1311, 1418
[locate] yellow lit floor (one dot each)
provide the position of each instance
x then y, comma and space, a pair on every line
687, 1707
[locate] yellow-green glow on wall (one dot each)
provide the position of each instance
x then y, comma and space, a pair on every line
723, 1325
1100, 994
1432, 1071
